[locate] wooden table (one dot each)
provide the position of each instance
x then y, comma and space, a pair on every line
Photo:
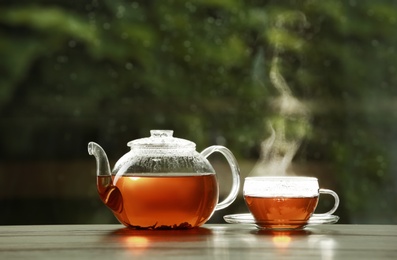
223, 241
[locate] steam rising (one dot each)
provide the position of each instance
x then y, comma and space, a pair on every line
287, 129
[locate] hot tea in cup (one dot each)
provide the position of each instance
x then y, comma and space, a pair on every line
284, 202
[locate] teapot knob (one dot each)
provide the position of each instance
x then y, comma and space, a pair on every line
161, 133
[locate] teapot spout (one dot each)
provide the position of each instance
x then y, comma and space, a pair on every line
110, 194
102, 162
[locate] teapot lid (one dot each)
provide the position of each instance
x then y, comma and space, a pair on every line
161, 139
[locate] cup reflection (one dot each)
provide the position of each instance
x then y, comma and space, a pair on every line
282, 239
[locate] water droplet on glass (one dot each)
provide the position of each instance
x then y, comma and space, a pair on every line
352, 3
123, 128
113, 73
94, 3
76, 112
73, 76
91, 15
72, 43
62, 59
106, 26
59, 98
191, 7
129, 66
120, 12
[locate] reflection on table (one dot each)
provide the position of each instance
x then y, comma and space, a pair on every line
220, 241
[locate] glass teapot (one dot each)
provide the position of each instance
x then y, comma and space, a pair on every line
163, 182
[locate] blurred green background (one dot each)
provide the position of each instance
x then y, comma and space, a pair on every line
321, 74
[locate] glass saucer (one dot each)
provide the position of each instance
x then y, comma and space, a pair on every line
247, 218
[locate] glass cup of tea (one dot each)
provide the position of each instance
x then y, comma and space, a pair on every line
284, 202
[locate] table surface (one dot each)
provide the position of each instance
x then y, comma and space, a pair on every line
217, 241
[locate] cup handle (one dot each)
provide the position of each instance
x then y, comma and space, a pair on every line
234, 169
336, 204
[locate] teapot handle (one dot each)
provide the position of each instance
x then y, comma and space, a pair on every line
234, 169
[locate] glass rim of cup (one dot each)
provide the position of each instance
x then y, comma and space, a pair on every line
281, 186
269, 177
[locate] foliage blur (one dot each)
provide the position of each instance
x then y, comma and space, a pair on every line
214, 71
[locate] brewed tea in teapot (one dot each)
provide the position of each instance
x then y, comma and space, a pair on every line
163, 182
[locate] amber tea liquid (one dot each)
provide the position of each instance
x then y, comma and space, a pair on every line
158, 202
281, 212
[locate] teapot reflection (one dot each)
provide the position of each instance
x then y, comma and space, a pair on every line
138, 241
163, 182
